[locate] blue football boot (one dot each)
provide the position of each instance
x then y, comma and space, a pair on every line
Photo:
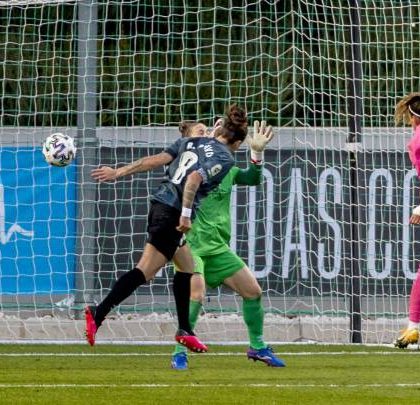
265, 355
179, 361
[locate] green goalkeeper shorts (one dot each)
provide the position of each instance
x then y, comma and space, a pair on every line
217, 268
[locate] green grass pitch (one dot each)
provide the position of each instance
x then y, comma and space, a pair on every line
315, 374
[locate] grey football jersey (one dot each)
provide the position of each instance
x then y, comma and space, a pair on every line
211, 158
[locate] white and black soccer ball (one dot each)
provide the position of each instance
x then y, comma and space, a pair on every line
59, 149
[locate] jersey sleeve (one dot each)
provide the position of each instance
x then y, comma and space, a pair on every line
174, 149
213, 169
251, 176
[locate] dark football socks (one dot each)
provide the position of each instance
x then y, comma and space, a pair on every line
182, 290
122, 289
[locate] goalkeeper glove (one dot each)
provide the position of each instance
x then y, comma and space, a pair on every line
416, 210
257, 143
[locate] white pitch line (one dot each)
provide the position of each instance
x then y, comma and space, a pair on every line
376, 353
55, 386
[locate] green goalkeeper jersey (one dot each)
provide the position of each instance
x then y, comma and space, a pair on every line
210, 232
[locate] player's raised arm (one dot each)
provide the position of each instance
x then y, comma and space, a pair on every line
192, 184
106, 173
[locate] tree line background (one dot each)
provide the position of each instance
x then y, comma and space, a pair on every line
161, 62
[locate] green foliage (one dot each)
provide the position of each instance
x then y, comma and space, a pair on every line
160, 62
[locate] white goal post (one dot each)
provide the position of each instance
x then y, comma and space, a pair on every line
120, 76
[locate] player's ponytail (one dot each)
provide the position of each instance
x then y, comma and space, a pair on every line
406, 108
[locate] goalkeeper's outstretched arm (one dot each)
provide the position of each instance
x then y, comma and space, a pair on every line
263, 134
106, 173
252, 176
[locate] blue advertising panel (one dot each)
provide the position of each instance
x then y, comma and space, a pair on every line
37, 224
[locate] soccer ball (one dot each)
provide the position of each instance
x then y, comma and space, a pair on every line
59, 149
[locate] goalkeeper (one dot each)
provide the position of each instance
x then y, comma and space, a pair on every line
408, 111
209, 240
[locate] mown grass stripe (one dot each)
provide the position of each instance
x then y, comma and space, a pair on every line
280, 353
192, 385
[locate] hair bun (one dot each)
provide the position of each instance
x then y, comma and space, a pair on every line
236, 116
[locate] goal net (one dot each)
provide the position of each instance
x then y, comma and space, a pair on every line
118, 76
